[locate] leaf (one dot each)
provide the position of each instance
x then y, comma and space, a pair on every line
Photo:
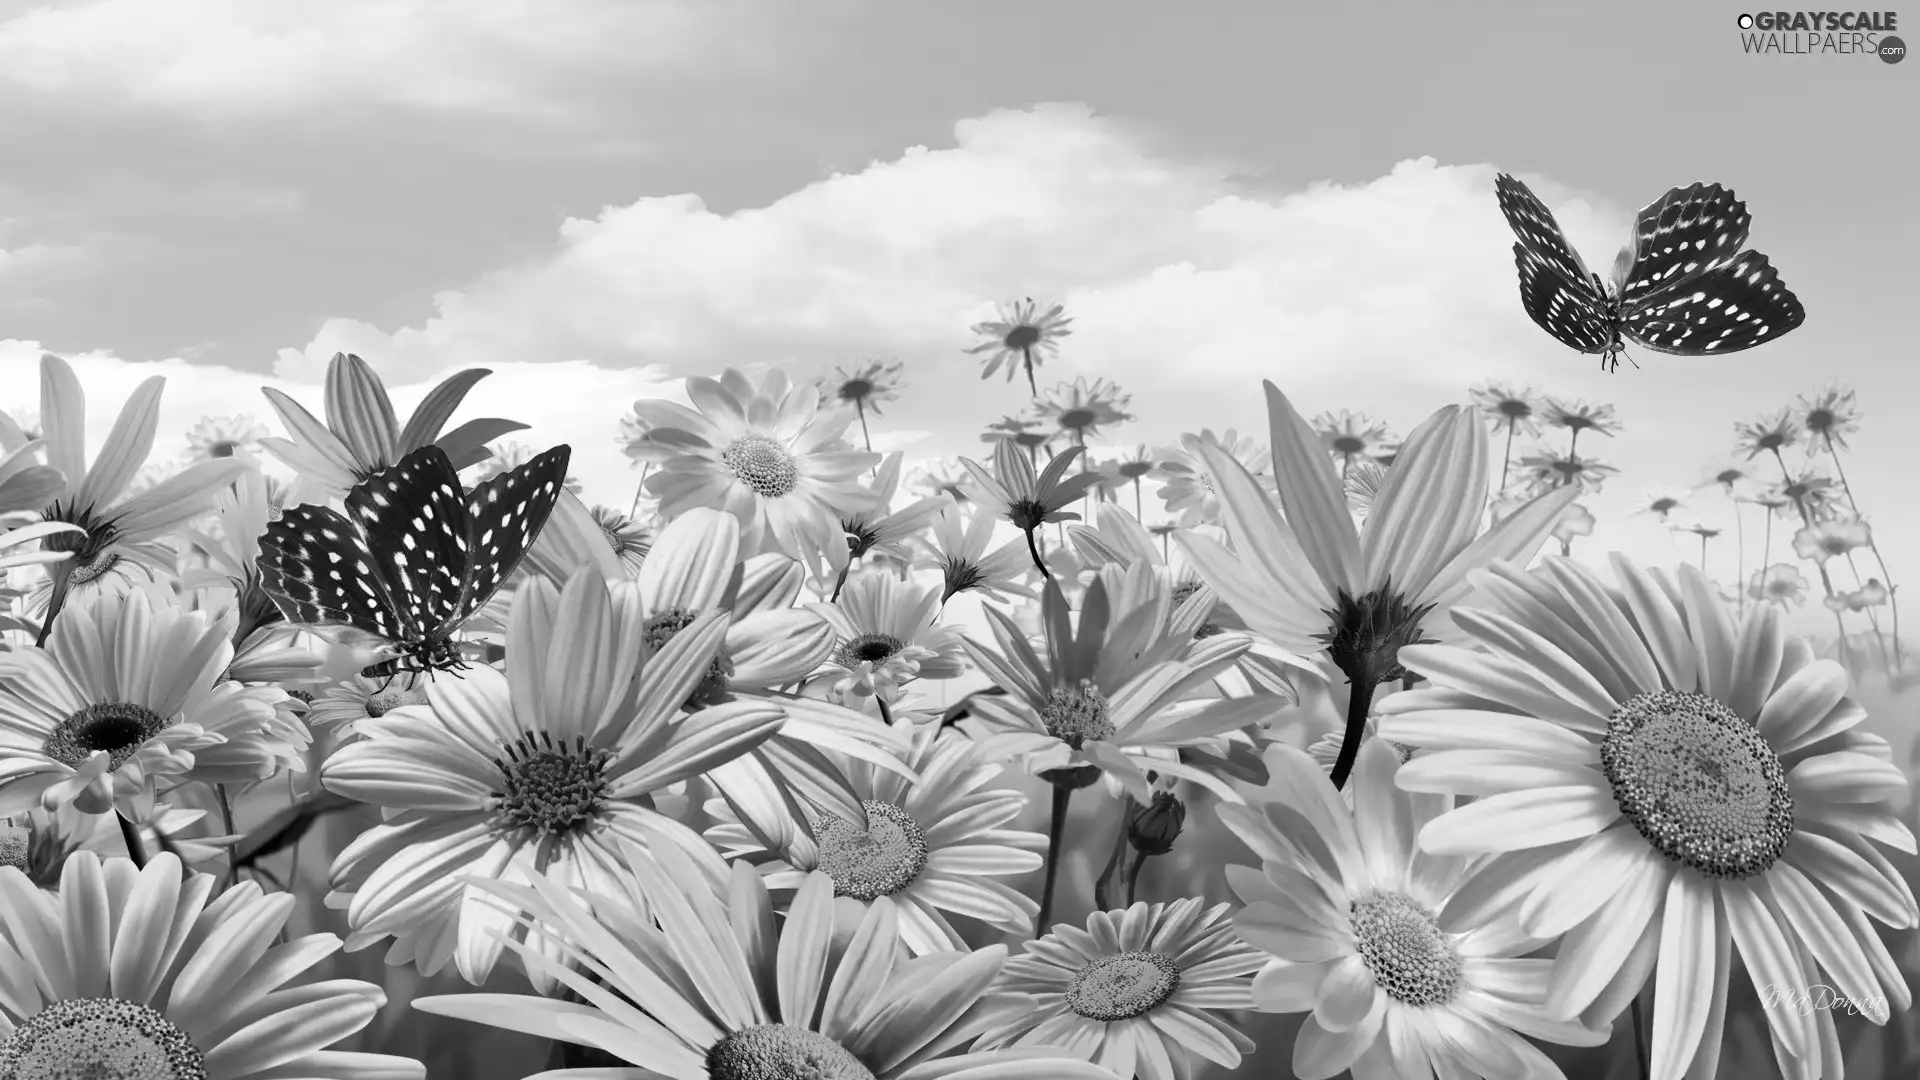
467, 444
424, 425
962, 709
286, 828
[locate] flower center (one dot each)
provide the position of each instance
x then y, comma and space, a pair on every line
1077, 713
763, 465
1516, 409
1819, 419
13, 846
1405, 950
869, 649
712, 689
1699, 783
880, 861
1663, 504
1078, 419
221, 448
1134, 470
386, 701
95, 568
1348, 445
856, 390
780, 1052
550, 786
1122, 986
1022, 337
960, 575
117, 727
100, 1039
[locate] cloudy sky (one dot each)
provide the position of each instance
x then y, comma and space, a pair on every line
594, 196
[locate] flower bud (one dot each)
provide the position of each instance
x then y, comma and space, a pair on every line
1152, 829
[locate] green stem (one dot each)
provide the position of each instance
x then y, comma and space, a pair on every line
1642, 1062
226, 824
860, 407
1133, 875
1033, 548
1893, 596
1359, 701
840, 583
1101, 895
1026, 358
54, 603
1057, 831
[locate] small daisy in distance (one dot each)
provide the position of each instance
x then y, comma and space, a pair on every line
1187, 482
1141, 992
1549, 469
1510, 410
133, 973
1012, 493
1829, 417
863, 387
1823, 540
1351, 436
888, 636
958, 546
1578, 417
630, 537
216, 437
1082, 408
1022, 337
1782, 584
1769, 434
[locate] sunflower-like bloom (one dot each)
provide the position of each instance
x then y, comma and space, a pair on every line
114, 528
363, 435
1187, 482
1548, 469
1139, 992
131, 972
1678, 789
1024, 333
724, 991
125, 701
545, 765
933, 845
764, 453
958, 549
1351, 436
886, 635
1112, 692
1407, 962
1309, 581
863, 386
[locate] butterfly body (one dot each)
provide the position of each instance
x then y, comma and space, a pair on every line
1681, 285
413, 558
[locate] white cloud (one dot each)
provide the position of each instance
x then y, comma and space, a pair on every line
504, 55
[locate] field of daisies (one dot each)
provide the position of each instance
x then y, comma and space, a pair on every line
368, 747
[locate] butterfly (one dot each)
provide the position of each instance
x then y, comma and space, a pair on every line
1681, 285
413, 558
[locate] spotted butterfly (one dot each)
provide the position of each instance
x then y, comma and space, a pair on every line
1681, 285
413, 558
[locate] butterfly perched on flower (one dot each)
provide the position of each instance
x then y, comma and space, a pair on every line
413, 558
1681, 285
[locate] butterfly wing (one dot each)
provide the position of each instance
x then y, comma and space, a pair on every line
1572, 311
1686, 233
1533, 223
318, 569
415, 519
1730, 308
504, 515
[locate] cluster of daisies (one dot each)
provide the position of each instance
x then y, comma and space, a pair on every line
708, 799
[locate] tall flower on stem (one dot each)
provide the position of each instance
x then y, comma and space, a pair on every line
1829, 417
1022, 331
1082, 408
877, 529
1301, 576
1187, 483
1349, 436
1012, 492
864, 387
1672, 789
958, 549
887, 634
224, 437
1131, 469
1511, 411
363, 434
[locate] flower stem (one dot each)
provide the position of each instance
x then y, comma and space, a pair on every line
1057, 831
1033, 548
1102, 897
1138, 514
639, 489
1826, 579
886, 714
840, 583
1133, 874
130, 833
1893, 595
860, 407
1359, 701
1740, 552
1026, 358
226, 825
54, 603
1506, 461
1641, 1063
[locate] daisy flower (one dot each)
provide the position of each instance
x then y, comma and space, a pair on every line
1508, 409
1303, 577
1349, 435
629, 537
933, 846
775, 465
1013, 493
886, 636
224, 437
724, 991
1023, 332
1577, 520
1138, 991
358, 697
126, 696
1029, 435
1662, 503
1829, 416
946, 478
1187, 483
363, 435
115, 528
1781, 583
878, 529
1810, 493
544, 765
1822, 540
1730, 477
574, 536
49, 838
864, 387
1549, 469
1676, 787
958, 549
266, 648
131, 972
1577, 417
1769, 434
1406, 962
1082, 408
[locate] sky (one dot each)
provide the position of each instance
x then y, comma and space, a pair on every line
598, 199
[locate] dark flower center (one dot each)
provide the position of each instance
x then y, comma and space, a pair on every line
1515, 409
118, 728
1026, 514
1075, 714
222, 448
1405, 950
961, 575
1022, 337
100, 1039
856, 390
1078, 419
550, 786
1349, 445
1700, 783
1819, 420
1122, 986
869, 649
1134, 470
14, 841
879, 861
781, 1052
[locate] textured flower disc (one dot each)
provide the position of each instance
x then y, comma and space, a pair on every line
779, 1052
1075, 714
1405, 950
14, 841
763, 465
711, 690
550, 786
386, 701
117, 727
869, 649
1122, 986
1701, 784
1022, 336
99, 1039
880, 861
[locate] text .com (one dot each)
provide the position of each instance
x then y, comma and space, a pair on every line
1828, 33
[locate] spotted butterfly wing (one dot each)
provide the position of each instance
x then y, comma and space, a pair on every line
318, 569
1689, 232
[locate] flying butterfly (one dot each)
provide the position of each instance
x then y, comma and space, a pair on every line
413, 558
1681, 285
